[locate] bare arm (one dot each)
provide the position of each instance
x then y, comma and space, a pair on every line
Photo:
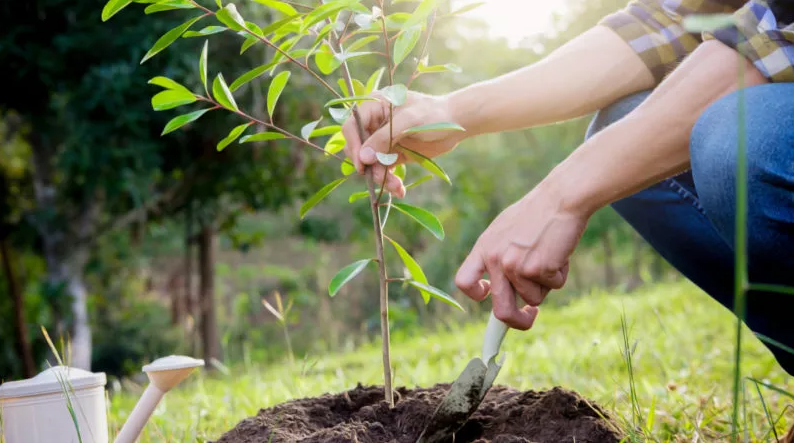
584, 75
652, 142
526, 249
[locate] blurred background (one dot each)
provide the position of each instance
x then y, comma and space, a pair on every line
131, 246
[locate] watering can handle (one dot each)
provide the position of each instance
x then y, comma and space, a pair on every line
494, 334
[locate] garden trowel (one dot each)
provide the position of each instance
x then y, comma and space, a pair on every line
469, 389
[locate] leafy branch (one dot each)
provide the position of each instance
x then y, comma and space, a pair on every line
329, 55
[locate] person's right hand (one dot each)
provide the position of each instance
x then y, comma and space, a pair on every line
418, 109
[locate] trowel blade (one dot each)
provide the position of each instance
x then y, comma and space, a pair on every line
463, 398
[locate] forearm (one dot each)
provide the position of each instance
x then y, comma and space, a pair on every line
584, 75
652, 142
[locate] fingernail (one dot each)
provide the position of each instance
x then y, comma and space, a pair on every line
367, 155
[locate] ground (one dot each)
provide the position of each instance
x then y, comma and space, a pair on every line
683, 348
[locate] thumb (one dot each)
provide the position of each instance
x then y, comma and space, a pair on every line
379, 140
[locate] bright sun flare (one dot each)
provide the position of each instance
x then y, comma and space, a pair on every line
515, 20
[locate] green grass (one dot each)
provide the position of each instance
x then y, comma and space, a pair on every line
680, 342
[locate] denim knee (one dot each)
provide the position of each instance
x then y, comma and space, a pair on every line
615, 112
769, 130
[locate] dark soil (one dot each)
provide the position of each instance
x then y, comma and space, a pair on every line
361, 416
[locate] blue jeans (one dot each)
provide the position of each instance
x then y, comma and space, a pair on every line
689, 219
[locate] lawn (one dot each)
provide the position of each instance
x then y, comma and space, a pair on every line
682, 362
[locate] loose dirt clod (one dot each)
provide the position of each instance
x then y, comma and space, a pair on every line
361, 416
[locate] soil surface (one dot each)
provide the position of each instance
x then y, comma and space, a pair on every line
361, 416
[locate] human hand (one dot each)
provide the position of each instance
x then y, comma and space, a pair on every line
525, 252
418, 109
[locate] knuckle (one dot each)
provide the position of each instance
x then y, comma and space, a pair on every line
502, 314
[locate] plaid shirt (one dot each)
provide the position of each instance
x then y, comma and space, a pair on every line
764, 32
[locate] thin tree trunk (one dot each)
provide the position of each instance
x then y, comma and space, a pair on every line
209, 327
14, 289
65, 262
609, 268
189, 297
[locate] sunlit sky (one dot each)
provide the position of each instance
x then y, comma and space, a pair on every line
515, 19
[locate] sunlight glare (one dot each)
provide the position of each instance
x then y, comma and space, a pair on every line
515, 20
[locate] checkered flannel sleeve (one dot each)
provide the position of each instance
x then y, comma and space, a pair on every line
654, 30
763, 38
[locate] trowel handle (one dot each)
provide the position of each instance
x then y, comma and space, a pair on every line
494, 334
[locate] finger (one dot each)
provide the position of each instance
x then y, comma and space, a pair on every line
552, 278
385, 137
368, 113
393, 183
529, 291
512, 260
505, 307
469, 277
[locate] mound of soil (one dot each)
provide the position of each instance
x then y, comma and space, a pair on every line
361, 416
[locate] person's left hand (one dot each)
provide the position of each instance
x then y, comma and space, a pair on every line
525, 252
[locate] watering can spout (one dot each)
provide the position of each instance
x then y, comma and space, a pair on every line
164, 374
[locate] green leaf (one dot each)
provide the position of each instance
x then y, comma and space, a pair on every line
247, 43
262, 137
418, 182
169, 37
275, 89
328, 130
325, 60
357, 196
396, 94
284, 47
203, 66
345, 56
233, 135
466, 8
374, 80
219, 3
277, 25
426, 163
423, 217
321, 194
182, 120
322, 12
112, 7
281, 7
347, 168
248, 76
340, 114
171, 99
336, 143
254, 28
708, 22
347, 273
413, 267
343, 100
208, 30
421, 13
222, 94
437, 293
229, 16
308, 128
360, 43
405, 43
400, 171
449, 67
167, 83
168, 6
440, 126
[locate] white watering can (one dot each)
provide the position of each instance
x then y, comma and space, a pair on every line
36, 410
